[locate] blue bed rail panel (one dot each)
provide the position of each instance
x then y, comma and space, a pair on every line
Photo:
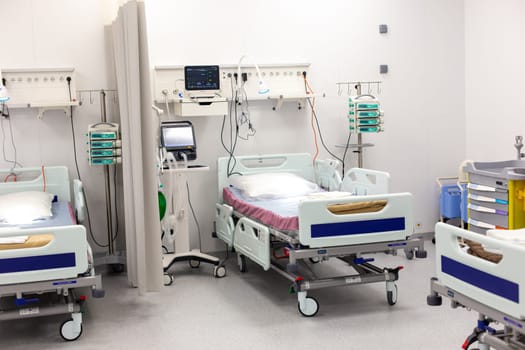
35, 263
483, 280
357, 227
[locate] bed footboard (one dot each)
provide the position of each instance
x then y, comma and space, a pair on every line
497, 285
320, 227
64, 255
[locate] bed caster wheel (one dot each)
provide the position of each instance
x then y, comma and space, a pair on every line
409, 254
434, 300
98, 293
70, 331
310, 307
242, 263
421, 254
219, 271
391, 295
315, 260
168, 280
194, 263
117, 268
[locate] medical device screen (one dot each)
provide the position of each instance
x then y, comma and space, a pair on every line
201, 78
179, 137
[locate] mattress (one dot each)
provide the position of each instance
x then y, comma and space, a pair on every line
62, 216
283, 213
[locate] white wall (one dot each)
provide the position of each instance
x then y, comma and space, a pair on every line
58, 33
495, 76
423, 94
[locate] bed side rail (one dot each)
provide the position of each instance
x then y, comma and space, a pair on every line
31, 179
498, 285
328, 174
393, 221
366, 181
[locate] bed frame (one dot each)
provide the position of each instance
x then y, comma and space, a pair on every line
495, 290
30, 276
322, 235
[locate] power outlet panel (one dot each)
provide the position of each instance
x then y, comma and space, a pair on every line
40, 87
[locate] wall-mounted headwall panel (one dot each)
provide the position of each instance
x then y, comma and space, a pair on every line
285, 81
40, 87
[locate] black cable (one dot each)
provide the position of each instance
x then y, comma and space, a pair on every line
15, 161
77, 169
194, 216
115, 201
346, 150
319, 131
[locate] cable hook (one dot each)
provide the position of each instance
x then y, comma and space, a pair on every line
91, 97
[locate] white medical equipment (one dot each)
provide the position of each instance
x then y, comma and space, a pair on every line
104, 144
40, 276
325, 225
495, 289
178, 146
365, 114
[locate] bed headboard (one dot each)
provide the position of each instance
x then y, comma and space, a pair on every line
31, 179
296, 163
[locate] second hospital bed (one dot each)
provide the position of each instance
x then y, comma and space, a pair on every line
284, 233
45, 260
490, 282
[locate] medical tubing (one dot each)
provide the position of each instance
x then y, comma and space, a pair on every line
320, 134
78, 171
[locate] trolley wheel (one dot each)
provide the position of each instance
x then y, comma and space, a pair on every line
168, 279
242, 263
310, 308
117, 268
219, 271
421, 254
391, 296
314, 260
409, 253
69, 332
194, 263
434, 299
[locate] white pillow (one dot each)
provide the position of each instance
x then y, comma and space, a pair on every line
272, 185
24, 207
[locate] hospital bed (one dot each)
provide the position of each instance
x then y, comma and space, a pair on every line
44, 261
316, 227
495, 288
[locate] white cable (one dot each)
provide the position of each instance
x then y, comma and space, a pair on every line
167, 105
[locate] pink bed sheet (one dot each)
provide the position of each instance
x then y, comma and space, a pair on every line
262, 215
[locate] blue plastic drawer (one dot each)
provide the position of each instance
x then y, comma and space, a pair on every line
450, 201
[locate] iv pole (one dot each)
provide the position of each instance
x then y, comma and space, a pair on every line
112, 258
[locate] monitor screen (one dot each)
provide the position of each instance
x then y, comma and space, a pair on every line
201, 78
177, 135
